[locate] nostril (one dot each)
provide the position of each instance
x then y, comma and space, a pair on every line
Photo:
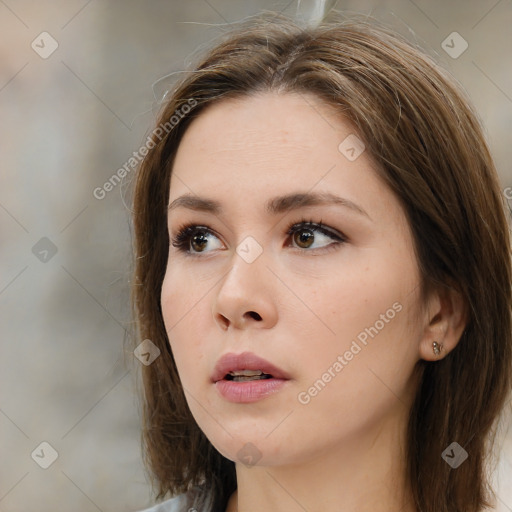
224, 321
254, 315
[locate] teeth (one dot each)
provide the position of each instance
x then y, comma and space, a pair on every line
244, 378
246, 373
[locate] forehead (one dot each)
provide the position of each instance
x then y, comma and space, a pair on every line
262, 137
265, 113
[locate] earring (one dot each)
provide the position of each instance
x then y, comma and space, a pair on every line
437, 347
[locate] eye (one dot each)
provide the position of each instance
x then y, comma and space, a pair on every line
193, 239
307, 236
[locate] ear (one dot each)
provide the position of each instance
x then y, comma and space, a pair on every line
445, 319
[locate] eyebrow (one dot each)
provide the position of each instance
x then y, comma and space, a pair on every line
274, 206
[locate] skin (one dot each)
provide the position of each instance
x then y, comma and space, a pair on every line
344, 449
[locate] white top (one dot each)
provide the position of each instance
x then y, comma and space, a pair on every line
182, 503
177, 504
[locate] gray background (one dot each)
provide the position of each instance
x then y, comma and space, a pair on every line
67, 123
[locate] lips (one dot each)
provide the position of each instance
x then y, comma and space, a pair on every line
245, 361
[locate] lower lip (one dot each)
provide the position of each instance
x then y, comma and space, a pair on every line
248, 391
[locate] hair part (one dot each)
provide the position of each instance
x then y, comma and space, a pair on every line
419, 127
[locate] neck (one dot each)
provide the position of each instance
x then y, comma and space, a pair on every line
361, 475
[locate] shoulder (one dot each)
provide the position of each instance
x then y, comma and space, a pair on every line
176, 504
185, 502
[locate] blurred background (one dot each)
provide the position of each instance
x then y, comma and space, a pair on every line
80, 82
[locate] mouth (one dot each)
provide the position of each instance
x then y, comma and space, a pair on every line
246, 377
246, 367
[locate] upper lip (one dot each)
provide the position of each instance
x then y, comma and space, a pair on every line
245, 361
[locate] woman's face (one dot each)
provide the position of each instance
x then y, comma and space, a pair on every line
334, 307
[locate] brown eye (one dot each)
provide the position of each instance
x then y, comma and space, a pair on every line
194, 239
313, 236
198, 242
304, 238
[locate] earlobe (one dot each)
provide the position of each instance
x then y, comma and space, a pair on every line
445, 321
437, 348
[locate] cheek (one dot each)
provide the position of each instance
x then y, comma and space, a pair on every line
364, 314
355, 297
182, 310
185, 289
354, 377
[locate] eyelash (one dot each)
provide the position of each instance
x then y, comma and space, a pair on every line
182, 239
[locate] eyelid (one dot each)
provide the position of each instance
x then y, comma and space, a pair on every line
316, 226
185, 232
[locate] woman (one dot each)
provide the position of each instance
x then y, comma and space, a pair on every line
323, 261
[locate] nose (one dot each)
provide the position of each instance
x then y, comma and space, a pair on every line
245, 297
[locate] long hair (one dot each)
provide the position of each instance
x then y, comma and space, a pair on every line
417, 123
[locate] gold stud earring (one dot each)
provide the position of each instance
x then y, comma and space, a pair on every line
437, 347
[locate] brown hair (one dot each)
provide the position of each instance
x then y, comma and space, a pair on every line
418, 125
